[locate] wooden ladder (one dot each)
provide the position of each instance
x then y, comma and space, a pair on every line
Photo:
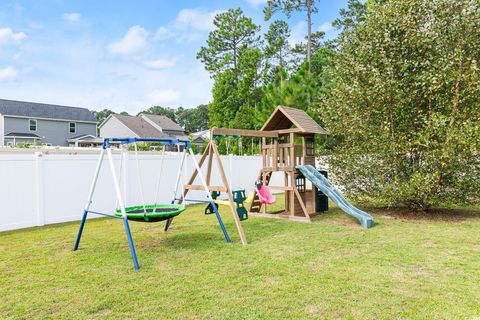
256, 205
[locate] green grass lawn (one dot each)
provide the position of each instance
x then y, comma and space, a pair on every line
421, 268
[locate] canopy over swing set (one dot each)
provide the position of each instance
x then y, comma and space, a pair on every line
158, 211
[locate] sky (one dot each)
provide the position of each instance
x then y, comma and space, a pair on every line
120, 55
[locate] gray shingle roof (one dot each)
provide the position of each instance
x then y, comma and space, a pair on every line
164, 122
41, 110
286, 117
141, 127
22, 134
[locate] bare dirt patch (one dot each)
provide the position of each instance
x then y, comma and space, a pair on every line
439, 214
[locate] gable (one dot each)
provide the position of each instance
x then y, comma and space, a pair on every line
163, 122
139, 126
285, 118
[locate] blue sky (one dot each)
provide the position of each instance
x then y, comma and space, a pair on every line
122, 55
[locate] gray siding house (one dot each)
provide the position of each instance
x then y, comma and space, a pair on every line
142, 126
28, 122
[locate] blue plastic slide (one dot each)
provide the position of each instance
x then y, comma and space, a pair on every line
330, 191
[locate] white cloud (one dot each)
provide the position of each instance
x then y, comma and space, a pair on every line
72, 16
162, 97
164, 33
8, 73
189, 24
8, 36
161, 63
257, 2
132, 42
299, 31
198, 19
325, 27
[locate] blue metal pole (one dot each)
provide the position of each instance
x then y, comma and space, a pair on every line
167, 224
215, 208
130, 243
80, 230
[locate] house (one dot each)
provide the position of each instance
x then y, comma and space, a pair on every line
32, 123
200, 138
142, 126
165, 125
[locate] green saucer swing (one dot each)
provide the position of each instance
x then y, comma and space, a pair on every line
152, 212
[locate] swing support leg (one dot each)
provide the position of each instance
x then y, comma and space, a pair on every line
167, 224
89, 200
130, 243
219, 218
80, 230
122, 209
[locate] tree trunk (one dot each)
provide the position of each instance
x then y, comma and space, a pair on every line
309, 34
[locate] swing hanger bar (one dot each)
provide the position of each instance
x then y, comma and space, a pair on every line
215, 132
165, 141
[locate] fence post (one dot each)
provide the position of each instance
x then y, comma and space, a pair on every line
124, 159
230, 171
40, 201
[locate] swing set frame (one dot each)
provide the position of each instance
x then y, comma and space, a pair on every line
211, 150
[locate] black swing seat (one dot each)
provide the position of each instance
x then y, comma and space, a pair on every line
152, 212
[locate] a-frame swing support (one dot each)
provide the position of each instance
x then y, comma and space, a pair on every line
211, 152
106, 148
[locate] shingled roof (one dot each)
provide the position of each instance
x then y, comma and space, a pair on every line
286, 118
164, 122
42, 110
140, 126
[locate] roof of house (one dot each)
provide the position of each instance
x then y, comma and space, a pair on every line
41, 110
140, 127
82, 136
164, 122
286, 118
22, 135
204, 134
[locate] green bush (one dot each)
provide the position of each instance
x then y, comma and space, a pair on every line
405, 104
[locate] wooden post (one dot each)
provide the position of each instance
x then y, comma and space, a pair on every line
287, 193
229, 194
275, 154
209, 167
304, 149
292, 173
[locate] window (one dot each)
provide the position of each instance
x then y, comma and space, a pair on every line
32, 124
72, 127
310, 146
300, 183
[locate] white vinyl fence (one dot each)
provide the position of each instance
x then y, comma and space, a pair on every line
39, 188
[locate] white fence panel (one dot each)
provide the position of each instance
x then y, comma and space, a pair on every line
43, 188
18, 192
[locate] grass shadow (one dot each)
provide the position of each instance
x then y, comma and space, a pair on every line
434, 214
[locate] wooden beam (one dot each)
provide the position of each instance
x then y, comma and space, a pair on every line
281, 216
229, 194
200, 187
242, 133
280, 188
209, 166
268, 169
295, 130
